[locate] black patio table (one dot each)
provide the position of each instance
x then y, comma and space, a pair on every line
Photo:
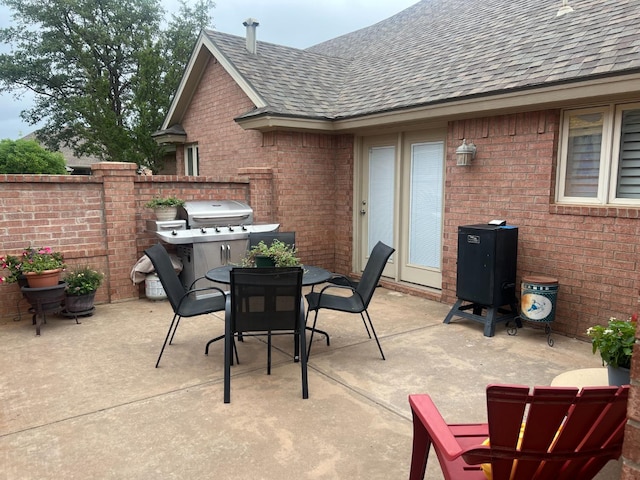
310, 276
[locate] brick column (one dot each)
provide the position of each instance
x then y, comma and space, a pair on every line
262, 195
120, 220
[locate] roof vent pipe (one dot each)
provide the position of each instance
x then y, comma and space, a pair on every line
251, 24
565, 8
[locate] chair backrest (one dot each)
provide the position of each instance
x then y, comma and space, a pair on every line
288, 238
567, 434
373, 271
265, 299
168, 277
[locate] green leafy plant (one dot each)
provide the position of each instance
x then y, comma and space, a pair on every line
32, 260
83, 280
615, 341
28, 157
159, 202
13, 265
283, 255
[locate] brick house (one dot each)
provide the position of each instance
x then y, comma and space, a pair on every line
360, 135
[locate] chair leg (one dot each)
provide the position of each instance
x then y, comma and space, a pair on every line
228, 356
313, 330
301, 337
365, 324
235, 348
174, 330
166, 339
269, 353
374, 334
420, 450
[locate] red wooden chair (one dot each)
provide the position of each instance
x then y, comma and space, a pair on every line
562, 434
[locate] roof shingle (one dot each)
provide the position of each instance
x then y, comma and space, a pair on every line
442, 50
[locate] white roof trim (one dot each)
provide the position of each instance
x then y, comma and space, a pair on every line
557, 96
196, 67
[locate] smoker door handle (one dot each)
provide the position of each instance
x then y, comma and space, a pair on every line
228, 254
223, 255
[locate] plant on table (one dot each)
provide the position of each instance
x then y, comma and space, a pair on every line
283, 255
83, 281
32, 260
615, 341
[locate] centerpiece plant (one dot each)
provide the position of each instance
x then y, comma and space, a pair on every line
278, 253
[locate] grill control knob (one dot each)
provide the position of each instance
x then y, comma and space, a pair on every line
217, 229
244, 228
174, 232
230, 228
203, 230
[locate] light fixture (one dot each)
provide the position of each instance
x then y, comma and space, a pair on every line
565, 8
465, 153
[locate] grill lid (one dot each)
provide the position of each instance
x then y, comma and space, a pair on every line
215, 213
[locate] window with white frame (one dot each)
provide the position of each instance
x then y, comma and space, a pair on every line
191, 160
600, 155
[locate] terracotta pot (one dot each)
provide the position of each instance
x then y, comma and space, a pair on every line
48, 278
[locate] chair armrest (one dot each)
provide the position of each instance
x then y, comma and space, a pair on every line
338, 279
342, 287
426, 413
204, 289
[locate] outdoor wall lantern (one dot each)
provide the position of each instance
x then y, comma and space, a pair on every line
465, 153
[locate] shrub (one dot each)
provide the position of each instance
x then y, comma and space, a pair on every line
27, 156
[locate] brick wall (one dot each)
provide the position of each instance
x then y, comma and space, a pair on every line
593, 252
305, 177
97, 220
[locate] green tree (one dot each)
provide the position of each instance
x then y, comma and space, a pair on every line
27, 156
103, 71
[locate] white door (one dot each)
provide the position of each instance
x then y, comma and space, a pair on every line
401, 203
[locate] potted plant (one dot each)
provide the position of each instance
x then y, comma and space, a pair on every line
615, 343
82, 283
40, 266
165, 208
278, 254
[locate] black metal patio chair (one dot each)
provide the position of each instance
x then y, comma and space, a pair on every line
361, 294
265, 301
183, 301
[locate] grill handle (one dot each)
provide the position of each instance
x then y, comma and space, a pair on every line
200, 218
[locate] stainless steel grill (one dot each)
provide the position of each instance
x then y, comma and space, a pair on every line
209, 234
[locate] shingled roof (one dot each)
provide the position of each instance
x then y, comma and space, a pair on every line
439, 51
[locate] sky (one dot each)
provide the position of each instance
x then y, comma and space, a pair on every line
293, 23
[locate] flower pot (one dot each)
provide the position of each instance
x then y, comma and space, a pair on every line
45, 299
79, 303
48, 278
264, 261
166, 213
618, 376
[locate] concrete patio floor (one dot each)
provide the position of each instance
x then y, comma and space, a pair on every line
85, 401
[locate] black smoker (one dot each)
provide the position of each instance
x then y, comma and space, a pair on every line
486, 274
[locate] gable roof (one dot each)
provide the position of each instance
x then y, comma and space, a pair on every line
437, 52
